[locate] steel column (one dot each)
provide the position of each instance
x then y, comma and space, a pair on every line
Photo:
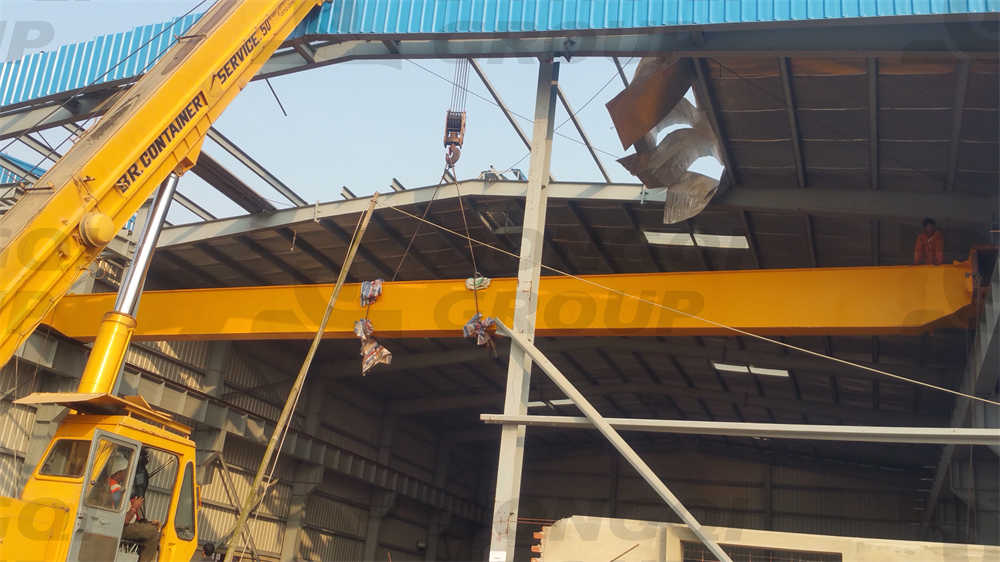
508, 484
612, 435
382, 501
307, 478
978, 365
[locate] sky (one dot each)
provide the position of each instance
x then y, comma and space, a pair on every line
358, 124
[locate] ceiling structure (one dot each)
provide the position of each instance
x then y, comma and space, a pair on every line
836, 141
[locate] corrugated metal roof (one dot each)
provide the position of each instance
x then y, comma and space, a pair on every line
97, 61
6, 176
512, 16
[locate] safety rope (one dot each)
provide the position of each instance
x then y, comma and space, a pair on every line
703, 319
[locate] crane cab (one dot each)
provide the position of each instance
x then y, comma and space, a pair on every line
106, 450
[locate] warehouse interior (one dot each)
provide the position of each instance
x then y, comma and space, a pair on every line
837, 139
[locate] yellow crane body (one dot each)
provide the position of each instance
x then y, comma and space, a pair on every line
86, 500
154, 128
815, 301
64, 487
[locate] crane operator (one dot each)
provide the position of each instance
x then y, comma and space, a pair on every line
137, 529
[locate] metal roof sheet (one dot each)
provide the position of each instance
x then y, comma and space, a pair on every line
99, 60
7, 176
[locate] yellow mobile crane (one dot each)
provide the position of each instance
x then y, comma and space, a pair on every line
75, 504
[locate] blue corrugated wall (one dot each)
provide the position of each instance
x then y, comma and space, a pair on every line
84, 64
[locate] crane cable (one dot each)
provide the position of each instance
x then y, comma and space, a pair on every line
708, 321
453, 143
472, 254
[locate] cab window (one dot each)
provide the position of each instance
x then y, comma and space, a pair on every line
155, 478
184, 523
109, 475
67, 458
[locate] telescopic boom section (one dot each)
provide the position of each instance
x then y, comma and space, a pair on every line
155, 128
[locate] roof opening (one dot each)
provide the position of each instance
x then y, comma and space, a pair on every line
669, 238
746, 370
721, 241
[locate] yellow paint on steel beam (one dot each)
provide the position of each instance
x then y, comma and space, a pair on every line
829, 301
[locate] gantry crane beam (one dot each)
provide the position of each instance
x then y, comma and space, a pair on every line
822, 301
156, 128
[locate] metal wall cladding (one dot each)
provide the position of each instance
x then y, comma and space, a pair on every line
733, 493
15, 426
240, 374
245, 455
847, 528
15, 430
215, 523
146, 356
194, 353
275, 504
218, 513
10, 468
122, 56
328, 513
317, 545
400, 534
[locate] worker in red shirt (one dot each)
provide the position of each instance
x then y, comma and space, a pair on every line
137, 529
929, 249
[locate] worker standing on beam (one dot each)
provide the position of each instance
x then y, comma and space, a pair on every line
929, 249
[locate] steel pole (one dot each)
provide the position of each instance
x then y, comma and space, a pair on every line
509, 464
614, 437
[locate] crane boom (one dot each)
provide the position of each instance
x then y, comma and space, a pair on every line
153, 129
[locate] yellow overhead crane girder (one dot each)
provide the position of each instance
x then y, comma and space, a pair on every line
817, 301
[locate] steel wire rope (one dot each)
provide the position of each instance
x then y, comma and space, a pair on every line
525, 118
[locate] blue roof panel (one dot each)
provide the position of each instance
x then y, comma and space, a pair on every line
128, 54
8, 177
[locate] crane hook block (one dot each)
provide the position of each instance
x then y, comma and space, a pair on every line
454, 134
454, 128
